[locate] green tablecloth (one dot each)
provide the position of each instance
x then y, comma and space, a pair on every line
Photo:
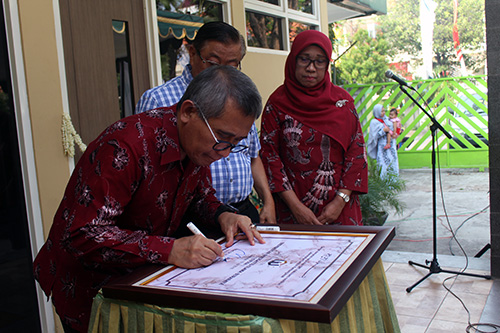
370, 309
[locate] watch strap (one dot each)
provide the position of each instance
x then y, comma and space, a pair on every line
344, 196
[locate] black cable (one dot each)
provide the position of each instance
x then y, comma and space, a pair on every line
470, 325
460, 226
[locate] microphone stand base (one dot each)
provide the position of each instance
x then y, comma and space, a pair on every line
434, 268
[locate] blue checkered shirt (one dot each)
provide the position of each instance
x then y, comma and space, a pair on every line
231, 176
166, 94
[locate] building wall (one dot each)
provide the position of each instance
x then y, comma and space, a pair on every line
44, 94
492, 8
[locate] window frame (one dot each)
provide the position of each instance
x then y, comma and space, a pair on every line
285, 14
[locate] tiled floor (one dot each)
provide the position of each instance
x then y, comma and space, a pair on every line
429, 307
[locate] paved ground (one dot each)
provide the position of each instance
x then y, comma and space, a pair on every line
466, 202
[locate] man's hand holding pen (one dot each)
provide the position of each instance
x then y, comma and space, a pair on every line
194, 251
197, 251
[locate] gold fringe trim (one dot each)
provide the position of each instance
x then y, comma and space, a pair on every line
180, 22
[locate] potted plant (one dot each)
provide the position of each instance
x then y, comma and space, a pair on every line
382, 195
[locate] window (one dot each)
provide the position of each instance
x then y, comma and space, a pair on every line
295, 28
212, 11
274, 2
123, 68
301, 5
209, 10
264, 31
173, 52
273, 24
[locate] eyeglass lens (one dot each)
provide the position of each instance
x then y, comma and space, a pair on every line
223, 145
305, 62
220, 145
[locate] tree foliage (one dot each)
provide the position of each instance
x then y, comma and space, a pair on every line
169, 5
365, 62
401, 28
207, 9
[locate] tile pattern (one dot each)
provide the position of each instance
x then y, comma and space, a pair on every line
429, 307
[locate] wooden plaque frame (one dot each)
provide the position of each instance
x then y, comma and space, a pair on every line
324, 310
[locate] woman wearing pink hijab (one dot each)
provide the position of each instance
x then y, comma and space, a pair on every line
312, 144
386, 157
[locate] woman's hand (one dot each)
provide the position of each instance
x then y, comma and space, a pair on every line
304, 215
331, 212
268, 214
301, 212
333, 209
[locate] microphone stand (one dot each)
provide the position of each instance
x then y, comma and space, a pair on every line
433, 266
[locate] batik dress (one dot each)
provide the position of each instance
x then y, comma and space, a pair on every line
314, 165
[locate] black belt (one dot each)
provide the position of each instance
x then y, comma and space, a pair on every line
242, 205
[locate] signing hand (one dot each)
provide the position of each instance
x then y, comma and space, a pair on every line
194, 251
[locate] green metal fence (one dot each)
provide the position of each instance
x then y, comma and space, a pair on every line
460, 105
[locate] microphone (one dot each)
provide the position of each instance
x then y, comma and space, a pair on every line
390, 75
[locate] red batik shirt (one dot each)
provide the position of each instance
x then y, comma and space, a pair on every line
126, 196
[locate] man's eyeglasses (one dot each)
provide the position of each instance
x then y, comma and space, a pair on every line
319, 63
220, 145
215, 63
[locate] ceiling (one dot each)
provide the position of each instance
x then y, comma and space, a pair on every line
339, 10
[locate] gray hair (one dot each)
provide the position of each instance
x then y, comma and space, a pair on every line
215, 85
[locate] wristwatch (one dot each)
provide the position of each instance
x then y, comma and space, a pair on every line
344, 196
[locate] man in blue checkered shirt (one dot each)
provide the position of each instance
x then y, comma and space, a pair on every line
233, 177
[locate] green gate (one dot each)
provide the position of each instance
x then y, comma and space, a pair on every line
460, 105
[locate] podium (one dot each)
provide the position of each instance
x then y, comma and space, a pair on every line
358, 300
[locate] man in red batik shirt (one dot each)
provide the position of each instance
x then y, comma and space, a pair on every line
129, 191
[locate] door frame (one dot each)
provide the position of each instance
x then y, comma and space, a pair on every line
26, 150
